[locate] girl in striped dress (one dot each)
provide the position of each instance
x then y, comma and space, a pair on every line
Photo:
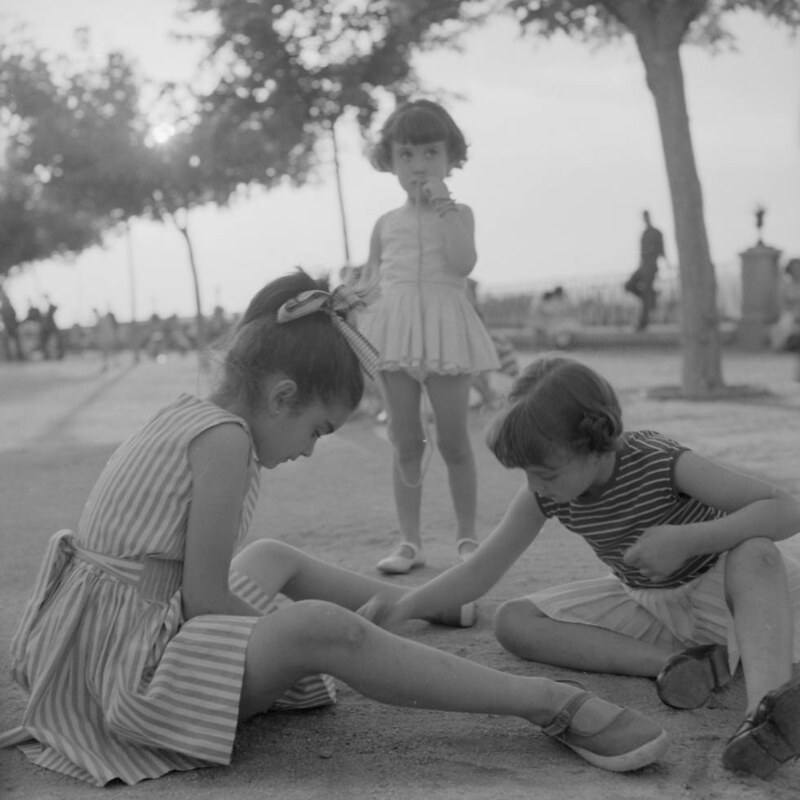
147, 640
696, 580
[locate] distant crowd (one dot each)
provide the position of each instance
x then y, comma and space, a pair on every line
37, 336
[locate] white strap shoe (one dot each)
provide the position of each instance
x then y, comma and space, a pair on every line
405, 558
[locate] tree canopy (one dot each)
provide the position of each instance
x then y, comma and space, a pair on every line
290, 70
74, 156
660, 28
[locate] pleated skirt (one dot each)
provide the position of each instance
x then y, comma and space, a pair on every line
432, 328
693, 614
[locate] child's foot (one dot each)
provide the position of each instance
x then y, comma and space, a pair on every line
607, 735
405, 558
768, 737
462, 617
465, 548
689, 677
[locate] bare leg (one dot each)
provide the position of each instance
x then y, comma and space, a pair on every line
278, 567
313, 636
449, 395
525, 631
755, 584
403, 394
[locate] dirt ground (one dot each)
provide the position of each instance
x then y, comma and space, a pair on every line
59, 422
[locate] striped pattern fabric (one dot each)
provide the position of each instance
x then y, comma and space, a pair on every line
139, 504
640, 494
313, 691
338, 305
119, 685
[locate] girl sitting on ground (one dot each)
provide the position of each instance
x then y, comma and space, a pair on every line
147, 640
696, 581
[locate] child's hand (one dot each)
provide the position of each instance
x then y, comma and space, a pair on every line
382, 609
658, 553
435, 189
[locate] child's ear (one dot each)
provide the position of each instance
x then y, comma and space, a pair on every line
281, 395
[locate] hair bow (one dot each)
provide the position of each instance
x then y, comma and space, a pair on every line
337, 304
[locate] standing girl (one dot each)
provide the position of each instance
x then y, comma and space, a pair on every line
696, 582
427, 332
147, 640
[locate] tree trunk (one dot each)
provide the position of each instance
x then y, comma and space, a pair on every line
700, 337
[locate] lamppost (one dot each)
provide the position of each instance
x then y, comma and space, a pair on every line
759, 214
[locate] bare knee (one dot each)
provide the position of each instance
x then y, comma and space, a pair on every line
409, 448
314, 624
755, 560
455, 449
513, 623
263, 554
262, 549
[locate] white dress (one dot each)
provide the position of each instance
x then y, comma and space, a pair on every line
423, 321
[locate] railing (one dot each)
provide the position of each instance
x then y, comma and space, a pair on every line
602, 301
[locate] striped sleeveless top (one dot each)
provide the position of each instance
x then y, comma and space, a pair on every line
640, 494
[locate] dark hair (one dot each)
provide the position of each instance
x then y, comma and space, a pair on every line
556, 404
419, 122
309, 350
792, 267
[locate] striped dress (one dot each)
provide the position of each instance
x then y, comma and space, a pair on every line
119, 685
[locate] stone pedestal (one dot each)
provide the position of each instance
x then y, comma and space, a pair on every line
760, 295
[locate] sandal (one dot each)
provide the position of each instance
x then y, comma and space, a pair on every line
689, 677
465, 548
627, 742
768, 737
402, 560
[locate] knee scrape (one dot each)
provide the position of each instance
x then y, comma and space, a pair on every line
354, 634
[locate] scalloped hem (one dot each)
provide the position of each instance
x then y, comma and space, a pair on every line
420, 370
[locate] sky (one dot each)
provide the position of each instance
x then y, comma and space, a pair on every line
564, 156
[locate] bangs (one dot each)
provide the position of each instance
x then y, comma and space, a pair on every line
419, 126
521, 439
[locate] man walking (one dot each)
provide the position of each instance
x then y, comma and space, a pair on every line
641, 283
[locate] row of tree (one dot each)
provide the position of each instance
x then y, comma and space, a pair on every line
81, 160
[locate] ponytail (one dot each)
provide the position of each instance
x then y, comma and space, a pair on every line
310, 351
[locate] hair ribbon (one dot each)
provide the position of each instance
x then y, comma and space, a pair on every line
337, 305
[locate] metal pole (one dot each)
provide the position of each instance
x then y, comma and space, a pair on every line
134, 332
342, 213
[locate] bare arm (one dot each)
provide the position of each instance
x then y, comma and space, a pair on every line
370, 273
754, 508
218, 459
471, 579
458, 230
374, 258
457, 226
